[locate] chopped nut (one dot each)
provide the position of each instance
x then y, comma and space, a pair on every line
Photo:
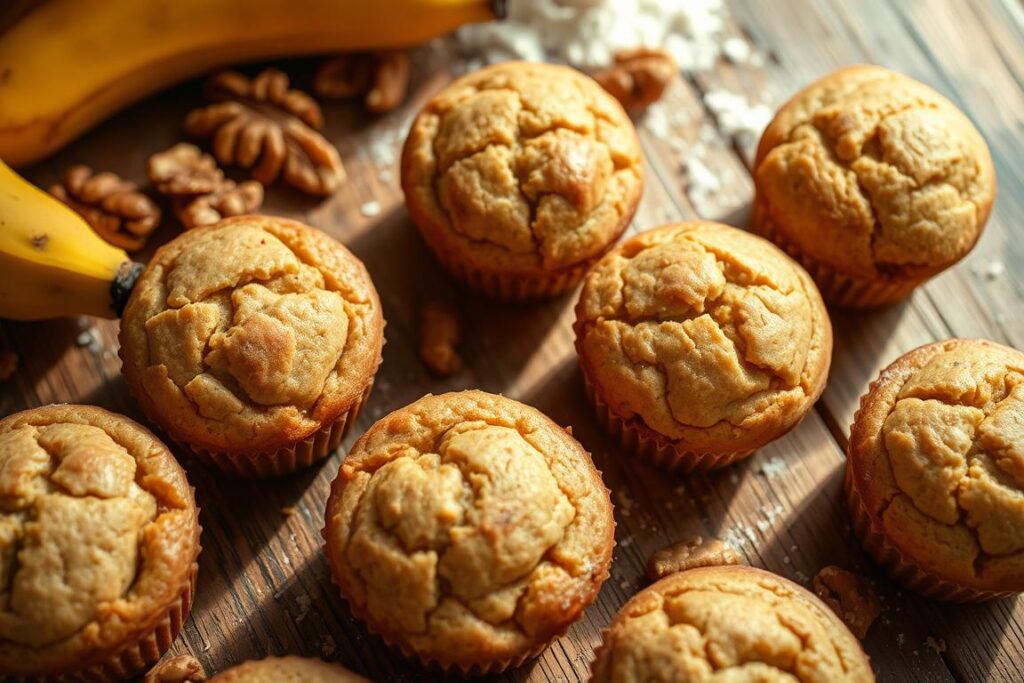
692, 553
382, 77
180, 669
439, 335
638, 77
289, 510
114, 207
262, 125
849, 596
8, 365
199, 192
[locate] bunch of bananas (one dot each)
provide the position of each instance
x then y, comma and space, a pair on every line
68, 64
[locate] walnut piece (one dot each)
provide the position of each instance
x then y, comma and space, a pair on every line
180, 669
849, 596
8, 365
692, 553
114, 207
638, 77
199, 192
263, 125
382, 77
439, 336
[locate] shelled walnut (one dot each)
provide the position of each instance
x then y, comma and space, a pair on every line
180, 669
199, 192
114, 207
638, 77
383, 78
692, 553
850, 596
263, 125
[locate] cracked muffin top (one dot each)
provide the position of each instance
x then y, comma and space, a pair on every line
98, 537
251, 334
705, 334
287, 670
875, 174
522, 167
685, 629
937, 456
469, 529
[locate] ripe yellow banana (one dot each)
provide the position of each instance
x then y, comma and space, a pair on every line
68, 64
52, 264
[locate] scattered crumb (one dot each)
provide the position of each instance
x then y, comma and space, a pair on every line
289, 510
625, 503
439, 337
772, 467
8, 365
304, 602
701, 184
938, 645
785, 559
657, 122
850, 596
370, 209
384, 176
736, 50
84, 338
180, 669
689, 554
995, 270
900, 639
736, 116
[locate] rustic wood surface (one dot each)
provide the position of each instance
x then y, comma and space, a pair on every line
263, 582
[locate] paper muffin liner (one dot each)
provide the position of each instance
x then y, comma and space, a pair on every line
897, 565
288, 459
510, 287
654, 449
836, 288
141, 655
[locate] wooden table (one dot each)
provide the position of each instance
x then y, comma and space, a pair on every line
263, 582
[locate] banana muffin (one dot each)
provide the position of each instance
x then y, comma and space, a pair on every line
99, 536
287, 670
935, 473
469, 530
728, 624
874, 182
254, 342
700, 343
520, 175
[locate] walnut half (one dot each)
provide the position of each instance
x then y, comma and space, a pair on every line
692, 553
114, 207
849, 596
180, 669
382, 77
638, 77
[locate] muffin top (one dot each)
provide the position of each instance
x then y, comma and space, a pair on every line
469, 529
685, 628
250, 334
98, 536
705, 333
937, 456
287, 670
875, 175
522, 167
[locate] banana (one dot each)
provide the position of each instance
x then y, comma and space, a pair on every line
52, 264
68, 64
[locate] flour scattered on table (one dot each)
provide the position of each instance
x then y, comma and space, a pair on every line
737, 117
736, 50
773, 467
995, 270
701, 184
370, 209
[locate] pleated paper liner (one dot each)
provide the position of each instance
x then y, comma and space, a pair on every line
509, 287
897, 565
288, 459
640, 441
835, 288
141, 655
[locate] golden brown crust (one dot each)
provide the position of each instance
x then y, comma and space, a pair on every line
685, 628
704, 337
251, 335
287, 670
522, 169
936, 462
875, 176
469, 529
99, 536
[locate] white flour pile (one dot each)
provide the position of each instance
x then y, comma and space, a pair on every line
587, 33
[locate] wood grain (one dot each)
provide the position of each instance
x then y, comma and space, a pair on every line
263, 586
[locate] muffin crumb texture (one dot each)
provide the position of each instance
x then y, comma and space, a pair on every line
288, 670
251, 332
97, 533
875, 174
708, 334
947, 470
686, 628
523, 167
469, 529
